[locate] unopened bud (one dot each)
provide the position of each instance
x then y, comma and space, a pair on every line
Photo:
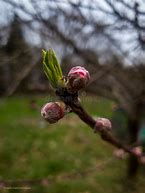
78, 78
53, 111
119, 153
137, 151
103, 124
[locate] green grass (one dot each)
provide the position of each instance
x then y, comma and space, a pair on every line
68, 152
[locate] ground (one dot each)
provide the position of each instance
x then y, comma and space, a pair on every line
68, 153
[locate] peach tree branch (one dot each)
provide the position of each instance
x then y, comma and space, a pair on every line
66, 88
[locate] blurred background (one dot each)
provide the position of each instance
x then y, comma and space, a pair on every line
107, 37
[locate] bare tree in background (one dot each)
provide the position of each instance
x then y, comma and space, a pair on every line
105, 35
17, 59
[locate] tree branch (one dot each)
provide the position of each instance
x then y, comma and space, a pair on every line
72, 101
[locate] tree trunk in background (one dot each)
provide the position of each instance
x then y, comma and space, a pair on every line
133, 164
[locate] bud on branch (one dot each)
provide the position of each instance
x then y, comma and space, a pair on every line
77, 78
103, 124
52, 112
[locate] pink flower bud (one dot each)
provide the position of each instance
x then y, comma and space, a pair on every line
137, 151
103, 124
78, 78
53, 111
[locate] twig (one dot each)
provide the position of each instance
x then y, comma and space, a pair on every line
74, 103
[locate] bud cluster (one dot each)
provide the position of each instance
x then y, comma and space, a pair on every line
77, 78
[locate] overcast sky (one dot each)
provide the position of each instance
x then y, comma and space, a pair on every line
6, 15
